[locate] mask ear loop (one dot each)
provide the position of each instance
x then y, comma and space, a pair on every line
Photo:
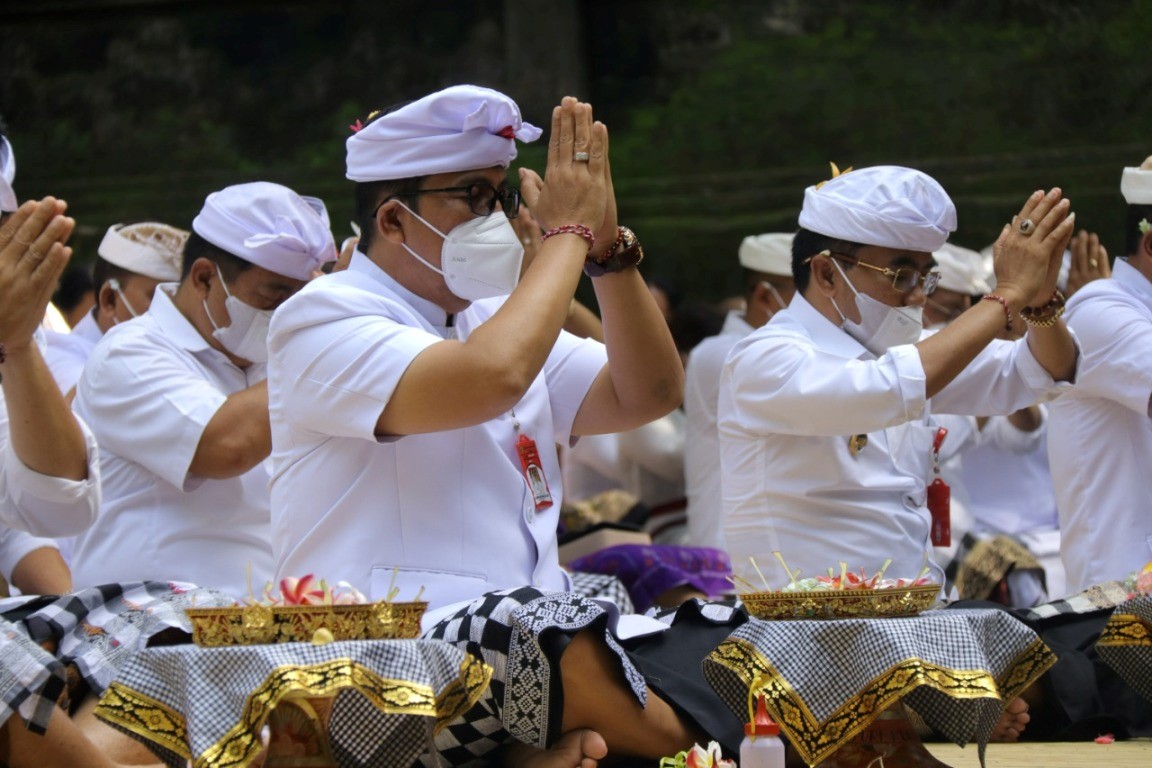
843, 318
114, 284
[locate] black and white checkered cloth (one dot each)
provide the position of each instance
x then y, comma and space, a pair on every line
601, 586
1125, 645
208, 705
827, 680
31, 680
521, 634
100, 629
1097, 598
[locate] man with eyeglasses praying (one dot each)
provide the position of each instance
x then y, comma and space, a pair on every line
417, 398
826, 413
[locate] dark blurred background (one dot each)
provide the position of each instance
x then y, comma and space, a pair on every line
720, 112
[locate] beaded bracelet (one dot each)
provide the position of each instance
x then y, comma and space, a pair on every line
1047, 315
572, 229
1007, 309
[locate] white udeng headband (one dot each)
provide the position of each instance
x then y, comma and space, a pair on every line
156, 263
1136, 186
8, 201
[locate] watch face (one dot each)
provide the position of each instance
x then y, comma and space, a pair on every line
628, 238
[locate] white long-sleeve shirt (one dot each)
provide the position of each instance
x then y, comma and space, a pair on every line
1100, 434
792, 394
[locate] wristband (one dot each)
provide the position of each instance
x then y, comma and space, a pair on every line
1047, 315
572, 229
625, 253
1007, 309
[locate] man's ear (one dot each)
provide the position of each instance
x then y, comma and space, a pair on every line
105, 298
200, 276
1146, 244
390, 220
824, 274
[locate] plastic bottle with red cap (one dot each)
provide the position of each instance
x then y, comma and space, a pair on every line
761, 747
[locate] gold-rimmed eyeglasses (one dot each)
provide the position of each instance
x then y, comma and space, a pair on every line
904, 279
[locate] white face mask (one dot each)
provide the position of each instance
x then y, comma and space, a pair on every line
247, 335
880, 326
480, 258
114, 284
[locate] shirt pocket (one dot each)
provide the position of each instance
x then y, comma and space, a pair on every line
911, 446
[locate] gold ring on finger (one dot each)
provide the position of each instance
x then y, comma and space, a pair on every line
1092, 263
1027, 227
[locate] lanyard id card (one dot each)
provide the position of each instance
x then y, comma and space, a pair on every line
940, 498
533, 471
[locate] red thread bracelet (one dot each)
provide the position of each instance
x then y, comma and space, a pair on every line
1007, 309
572, 229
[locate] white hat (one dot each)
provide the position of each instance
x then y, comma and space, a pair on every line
1136, 184
961, 270
148, 248
268, 225
461, 128
770, 253
8, 200
884, 205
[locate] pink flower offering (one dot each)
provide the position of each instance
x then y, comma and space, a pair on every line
305, 590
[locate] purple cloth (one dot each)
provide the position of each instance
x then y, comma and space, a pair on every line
648, 570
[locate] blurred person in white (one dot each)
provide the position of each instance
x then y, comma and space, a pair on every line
766, 266
647, 462
826, 414
1100, 434
49, 476
178, 400
1006, 475
997, 468
131, 261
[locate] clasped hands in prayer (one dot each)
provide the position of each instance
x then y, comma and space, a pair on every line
1028, 253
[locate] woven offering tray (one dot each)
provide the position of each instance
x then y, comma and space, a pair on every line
256, 624
842, 603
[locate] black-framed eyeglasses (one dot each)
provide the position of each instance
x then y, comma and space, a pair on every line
482, 197
904, 279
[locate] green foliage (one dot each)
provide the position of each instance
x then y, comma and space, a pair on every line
724, 111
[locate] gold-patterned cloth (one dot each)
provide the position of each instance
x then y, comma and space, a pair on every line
208, 705
1126, 643
826, 680
988, 563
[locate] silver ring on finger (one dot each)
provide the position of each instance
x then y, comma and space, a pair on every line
1027, 227
580, 157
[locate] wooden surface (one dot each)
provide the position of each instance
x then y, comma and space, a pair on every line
1122, 754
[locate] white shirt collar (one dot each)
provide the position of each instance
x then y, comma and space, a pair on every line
1133, 281
172, 321
435, 316
826, 334
87, 328
735, 323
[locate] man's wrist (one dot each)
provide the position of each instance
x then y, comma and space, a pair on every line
625, 253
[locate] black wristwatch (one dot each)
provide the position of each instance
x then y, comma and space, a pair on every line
625, 253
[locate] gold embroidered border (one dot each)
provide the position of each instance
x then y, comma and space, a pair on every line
816, 740
141, 714
1126, 629
146, 717
459, 695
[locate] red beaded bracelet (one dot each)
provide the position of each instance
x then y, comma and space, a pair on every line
572, 229
1007, 309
